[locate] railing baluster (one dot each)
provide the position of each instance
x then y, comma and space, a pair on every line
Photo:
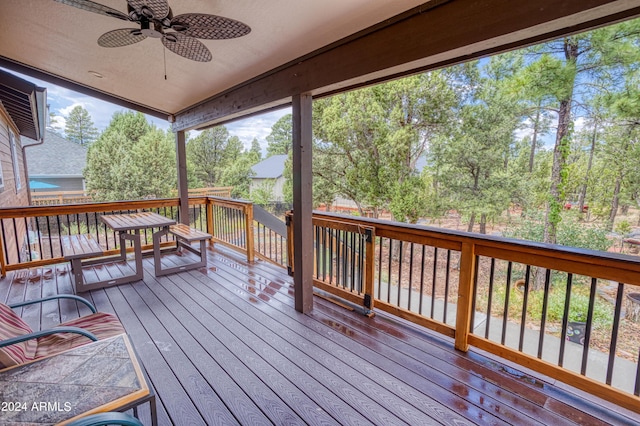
331, 256
39, 236
545, 305
565, 319
380, 244
614, 332
433, 282
636, 388
587, 336
492, 270
316, 243
505, 313
15, 233
525, 305
389, 272
400, 256
26, 228
410, 275
48, 233
446, 286
4, 243
422, 264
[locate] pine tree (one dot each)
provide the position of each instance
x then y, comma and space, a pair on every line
79, 127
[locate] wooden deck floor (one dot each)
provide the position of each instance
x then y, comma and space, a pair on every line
225, 346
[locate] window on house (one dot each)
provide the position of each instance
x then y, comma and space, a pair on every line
14, 158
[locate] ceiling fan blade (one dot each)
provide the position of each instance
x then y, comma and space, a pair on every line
210, 27
95, 8
159, 8
121, 37
186, 46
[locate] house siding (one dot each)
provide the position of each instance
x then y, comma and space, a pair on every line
10, 196
278, 187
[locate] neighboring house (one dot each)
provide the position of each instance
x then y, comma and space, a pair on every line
56, 165
270, 171
22, 117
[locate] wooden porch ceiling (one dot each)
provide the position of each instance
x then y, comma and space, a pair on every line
225, 345
303, 49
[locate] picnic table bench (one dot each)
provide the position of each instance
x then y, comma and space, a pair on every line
185, 236
76, 248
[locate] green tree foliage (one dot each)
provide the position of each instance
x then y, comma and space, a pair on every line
211, 152
369, 141
238, 174
263, 193
474, 158
568, 69
280, 139
131, 160
256, 149
79, 127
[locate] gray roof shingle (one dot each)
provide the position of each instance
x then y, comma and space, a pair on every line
55, 157
270, 168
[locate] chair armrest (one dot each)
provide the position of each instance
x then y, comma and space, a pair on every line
107, 419
42, 333
57, 296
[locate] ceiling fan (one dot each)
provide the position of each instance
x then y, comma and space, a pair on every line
179, 34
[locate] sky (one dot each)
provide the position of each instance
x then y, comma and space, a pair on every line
61, 101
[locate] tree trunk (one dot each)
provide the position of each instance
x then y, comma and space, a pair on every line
560, 152
583, 191
614, 203
483, 223
552, 215
472, 221
534, 140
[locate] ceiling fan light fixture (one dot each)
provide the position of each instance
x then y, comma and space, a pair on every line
155, 17
146, 30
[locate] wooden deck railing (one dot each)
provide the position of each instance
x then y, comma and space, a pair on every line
31, 236
554, 309
47, 198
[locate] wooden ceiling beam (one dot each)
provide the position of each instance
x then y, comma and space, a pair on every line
439, 33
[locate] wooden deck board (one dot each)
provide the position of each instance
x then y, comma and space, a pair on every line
224, 345
311, 381
379, 385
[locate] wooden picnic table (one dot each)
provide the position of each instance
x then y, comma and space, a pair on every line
128, 226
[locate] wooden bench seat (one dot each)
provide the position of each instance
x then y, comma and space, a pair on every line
75, 249
87, 257
185, 235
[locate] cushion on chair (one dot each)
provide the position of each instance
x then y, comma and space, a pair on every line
11, 325
102, 324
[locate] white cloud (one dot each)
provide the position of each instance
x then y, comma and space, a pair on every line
258, 127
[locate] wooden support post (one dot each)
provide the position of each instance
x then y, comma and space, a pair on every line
289, 221
465, 295
3, 264
302, 203
370, 267
183, 188
210, 228
248, 218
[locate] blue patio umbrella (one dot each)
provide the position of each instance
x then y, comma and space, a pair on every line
36, 184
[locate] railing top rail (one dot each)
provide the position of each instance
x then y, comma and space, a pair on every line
502, 247
230, 202
262, 216
31, 211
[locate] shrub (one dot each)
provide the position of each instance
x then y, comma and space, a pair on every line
571, 232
